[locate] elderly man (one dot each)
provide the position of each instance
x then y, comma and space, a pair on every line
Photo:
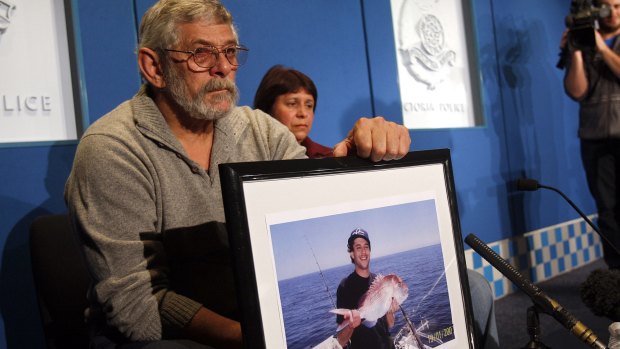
144, 192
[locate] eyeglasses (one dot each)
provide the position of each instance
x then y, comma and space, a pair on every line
206, 57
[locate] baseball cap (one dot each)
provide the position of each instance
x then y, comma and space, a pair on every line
357, 233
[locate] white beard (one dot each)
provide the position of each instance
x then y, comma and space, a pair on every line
195, 106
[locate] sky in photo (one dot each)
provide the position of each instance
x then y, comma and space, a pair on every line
303, 246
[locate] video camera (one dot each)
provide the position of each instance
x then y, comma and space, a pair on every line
581, 24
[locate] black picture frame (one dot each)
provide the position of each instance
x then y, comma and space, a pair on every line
270, 204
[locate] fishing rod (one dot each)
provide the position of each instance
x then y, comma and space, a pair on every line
415, 309
320, 272
412, 328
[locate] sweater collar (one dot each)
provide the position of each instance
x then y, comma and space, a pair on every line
150, 121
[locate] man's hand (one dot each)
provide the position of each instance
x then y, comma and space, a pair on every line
601, 45
394, 307
354, 318
611, 58
575, 80
211, 328
391, 314
377, 139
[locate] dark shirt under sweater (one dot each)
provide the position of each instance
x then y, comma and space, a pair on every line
349, 293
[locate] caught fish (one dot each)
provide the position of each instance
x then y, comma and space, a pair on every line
378, 299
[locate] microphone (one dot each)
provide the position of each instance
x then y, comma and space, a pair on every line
527, 184
600, 293
540, 299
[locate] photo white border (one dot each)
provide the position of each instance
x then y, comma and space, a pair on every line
344, 192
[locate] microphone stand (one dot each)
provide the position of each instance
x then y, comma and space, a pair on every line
544, 303
583, 215
532, 185
533, 329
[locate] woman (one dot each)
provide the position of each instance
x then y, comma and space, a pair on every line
290, 96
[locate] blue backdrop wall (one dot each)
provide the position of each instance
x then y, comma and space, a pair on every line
346, 46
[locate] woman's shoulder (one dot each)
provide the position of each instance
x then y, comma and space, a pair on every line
315, 150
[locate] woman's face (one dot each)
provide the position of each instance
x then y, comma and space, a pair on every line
296, 111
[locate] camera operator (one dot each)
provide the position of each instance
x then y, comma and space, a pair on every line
593, 79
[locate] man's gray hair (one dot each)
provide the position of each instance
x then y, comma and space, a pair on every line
159, 25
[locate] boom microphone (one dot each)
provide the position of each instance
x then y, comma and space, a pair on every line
540, 299
527, 184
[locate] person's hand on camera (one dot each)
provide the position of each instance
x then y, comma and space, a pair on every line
567, 48
564, 40
601, 45
565, 45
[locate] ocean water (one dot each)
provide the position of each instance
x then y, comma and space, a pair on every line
307, 299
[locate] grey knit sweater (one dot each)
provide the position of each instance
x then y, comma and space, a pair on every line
151, 220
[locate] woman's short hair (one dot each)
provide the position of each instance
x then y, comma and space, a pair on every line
281, 80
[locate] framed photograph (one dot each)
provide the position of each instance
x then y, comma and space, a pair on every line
436, 54
40, 95
290, 223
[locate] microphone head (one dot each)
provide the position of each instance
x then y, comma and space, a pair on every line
601, 293
527, 184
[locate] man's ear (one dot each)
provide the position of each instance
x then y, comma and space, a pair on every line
148, 62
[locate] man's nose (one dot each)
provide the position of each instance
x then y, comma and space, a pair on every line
222, 66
